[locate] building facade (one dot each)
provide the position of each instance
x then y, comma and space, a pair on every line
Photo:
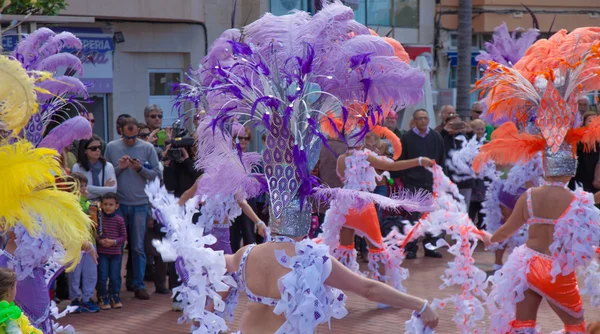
551, 15
137, 49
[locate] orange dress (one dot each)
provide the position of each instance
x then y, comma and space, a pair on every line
366, 224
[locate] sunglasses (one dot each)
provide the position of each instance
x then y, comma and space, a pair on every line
143, 135
93, 148
129, 137
156, 115
243, 138
477, 111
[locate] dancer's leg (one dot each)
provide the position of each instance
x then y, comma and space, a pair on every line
573, 325
346, 253
527, 313
498, 262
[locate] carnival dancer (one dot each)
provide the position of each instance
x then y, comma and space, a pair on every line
281, 72
562, 238
356, 169
46, 227
507, 183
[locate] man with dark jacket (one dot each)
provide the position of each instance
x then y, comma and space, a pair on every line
421, 141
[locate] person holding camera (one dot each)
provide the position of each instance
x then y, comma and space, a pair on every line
136, 162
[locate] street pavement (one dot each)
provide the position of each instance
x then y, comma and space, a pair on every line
155, 315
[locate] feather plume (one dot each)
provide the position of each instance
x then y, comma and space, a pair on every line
217, 158
509, 149
398, 49
60, 60
419, 201
587, 135
26, 50
17, 90
505, 48
389, 79
59, 42
386, 133
60, 86
29, 197
76, 128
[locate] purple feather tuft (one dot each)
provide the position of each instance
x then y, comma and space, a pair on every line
54, 62
240, 48
62, 85
505, 48
76, 128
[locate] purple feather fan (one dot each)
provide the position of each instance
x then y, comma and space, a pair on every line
505, 48
224, 171
64, 134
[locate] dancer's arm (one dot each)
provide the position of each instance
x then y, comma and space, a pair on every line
597, 198
383, 164
261, 227
344, 279
189, 193
514, 222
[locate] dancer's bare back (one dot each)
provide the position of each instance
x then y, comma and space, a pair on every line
547, 203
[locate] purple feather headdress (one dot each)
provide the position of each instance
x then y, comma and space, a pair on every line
285, 73
42, 51
506, 49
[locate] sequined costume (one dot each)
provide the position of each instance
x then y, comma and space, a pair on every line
33, 280
543, 87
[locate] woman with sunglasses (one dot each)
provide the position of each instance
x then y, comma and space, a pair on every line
100, 173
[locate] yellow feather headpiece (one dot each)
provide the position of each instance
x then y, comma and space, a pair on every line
29, 196
17, 95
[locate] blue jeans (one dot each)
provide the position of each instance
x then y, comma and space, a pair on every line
82, 280
109, 268
135, 221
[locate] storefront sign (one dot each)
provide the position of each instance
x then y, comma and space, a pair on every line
97, 63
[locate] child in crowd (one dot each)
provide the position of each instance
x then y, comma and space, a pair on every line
13, 319
110, 252
82, 281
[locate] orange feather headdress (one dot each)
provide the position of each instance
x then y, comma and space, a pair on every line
356, 121
543, 88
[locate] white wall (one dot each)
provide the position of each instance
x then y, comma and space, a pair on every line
149, 46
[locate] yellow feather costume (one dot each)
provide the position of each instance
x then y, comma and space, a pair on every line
28, 191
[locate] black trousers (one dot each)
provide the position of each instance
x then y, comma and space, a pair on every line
241, 229
428, 238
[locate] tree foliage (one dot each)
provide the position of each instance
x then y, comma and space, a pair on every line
35, 7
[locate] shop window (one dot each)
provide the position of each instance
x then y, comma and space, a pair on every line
161, 92
282, 7
389, 13
161, 82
